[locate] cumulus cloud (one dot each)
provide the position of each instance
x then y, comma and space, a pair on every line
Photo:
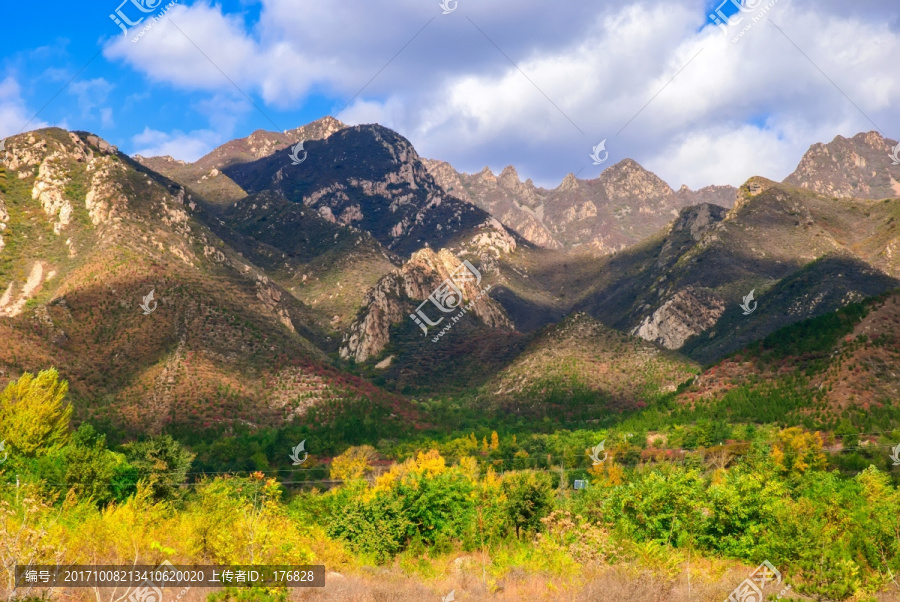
91, 94
188, 146
519, 83
13, 113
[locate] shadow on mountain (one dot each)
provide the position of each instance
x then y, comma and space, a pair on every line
369, 177
819, 288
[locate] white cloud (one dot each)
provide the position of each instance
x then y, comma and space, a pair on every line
91, 93
188, 146
738, 109
14, 115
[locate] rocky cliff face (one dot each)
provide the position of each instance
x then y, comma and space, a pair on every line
623, 206
397, 295
372, 178
858, 167
685, 314
519, 205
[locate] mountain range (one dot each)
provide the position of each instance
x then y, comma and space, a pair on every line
283, 276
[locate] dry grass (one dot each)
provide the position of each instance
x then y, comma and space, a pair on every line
612, 584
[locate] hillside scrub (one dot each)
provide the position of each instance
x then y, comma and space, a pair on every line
76, 501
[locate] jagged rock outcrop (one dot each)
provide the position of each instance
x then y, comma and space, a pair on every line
624, 205
516, 204
397, 294
4, 219
49, 189
687, 313
858, 167
105, 200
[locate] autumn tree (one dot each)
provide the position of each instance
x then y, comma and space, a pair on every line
796, 450
354, 463
34, 420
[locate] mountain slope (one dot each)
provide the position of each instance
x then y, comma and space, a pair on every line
371, 178
325, 265
827, 368
89, 234
588, 367
689, 280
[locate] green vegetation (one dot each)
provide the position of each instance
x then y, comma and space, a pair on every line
662, 501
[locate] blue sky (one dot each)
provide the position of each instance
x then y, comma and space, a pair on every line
497, 83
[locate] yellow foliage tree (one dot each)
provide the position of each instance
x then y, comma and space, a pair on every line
33, 417
608, 473
796, 450
495, 440
355, 463
429, 464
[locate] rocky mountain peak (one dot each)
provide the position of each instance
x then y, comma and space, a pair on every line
487, 175
857, 167
628, 178
372, 178
509, 177
753, 187
316, 130
570, 182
